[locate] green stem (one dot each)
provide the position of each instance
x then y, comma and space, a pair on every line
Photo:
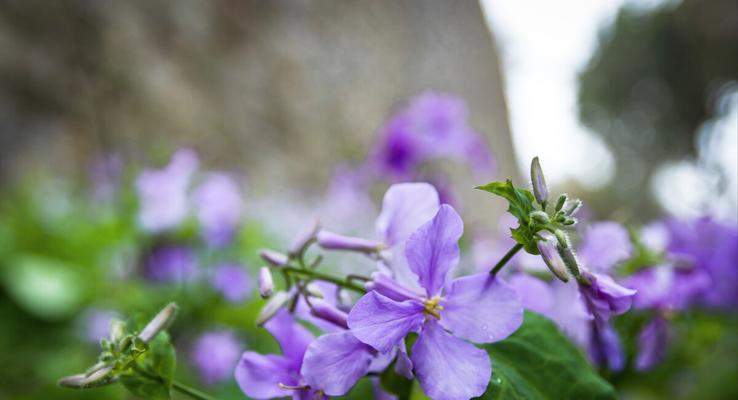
510, 253
323, 277
192, 392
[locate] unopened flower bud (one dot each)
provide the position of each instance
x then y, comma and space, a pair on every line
343, 300
303, 239
332, 241
562, 238
569, 221
274, 258
273, 306
570, 260
553, 260
96, 378
325, 311
560, 202
160, 322
314, 291
117, 329
540, 190
266, 283
571, 206
540, 217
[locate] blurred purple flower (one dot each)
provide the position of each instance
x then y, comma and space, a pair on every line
96, 324
233, 282
604, 346
171, 263
665, 287
604, 297
218, 206
105, 175
214, 355
604, 244
479, 308
534, 293
432, 126
163, 192
652, 343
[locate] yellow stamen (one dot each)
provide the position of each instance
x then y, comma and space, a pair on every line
432, 307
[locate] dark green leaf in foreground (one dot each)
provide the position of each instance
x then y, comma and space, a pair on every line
538, 362
520, 206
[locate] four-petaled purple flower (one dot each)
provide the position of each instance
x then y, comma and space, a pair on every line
479, 308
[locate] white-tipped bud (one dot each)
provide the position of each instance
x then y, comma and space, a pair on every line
304, 238
117, 329
98, 377
327, 312
343, 300
540, 190
266, 283
553, 260
161, 321
571, 206
274, 258
540, 217
314, 291
562, 238
270, 309
333, 241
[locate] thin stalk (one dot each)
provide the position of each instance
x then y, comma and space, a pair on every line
189, 391
323, 277
510, 253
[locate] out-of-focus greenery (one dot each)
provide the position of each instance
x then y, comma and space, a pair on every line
653, 81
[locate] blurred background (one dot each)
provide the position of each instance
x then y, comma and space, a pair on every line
631, 105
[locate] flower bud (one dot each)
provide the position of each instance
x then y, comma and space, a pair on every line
569, 221
303, 239
332, 241
160, 322
96, 378
540, 217
274, 258
562, 238
117, 330
314, 291
266, 283
273, 306
570, 260
553, 260
560, 202
540, 190
571, 206
343, 300
325, 311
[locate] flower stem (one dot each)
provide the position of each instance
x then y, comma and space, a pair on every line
510, 253
191, 392
323, 277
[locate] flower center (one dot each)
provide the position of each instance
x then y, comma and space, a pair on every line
432, 307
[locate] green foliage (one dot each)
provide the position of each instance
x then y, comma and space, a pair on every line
538, 362
152, 374
520, 206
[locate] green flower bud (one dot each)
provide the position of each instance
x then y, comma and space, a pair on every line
560, 202
539, 217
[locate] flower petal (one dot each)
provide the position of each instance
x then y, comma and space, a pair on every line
534, 293
405, 207
604, 244
334, 362
259, 376
433, 250
382, 322
292, 337
447, 367
481, 308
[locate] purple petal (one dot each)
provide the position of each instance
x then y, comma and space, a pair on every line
652, 344
233, 282
605, 347
406, 207
404, 365
447, 367
388, 287
605, 297
382, 322
604, 245
534, 293
215, 354
292, 337
334, 362
218, 207
433, 250
481, 308
259, 376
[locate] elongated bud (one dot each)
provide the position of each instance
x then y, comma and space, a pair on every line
388, 287
117, 330
570, 260
275, 303
570, 221
266, 283
540, 217
98, 377
333, 241
553, 260
343, 300
540, 190
562, 238
325, 311
303, 239
160, 322
274, 258
571, 206
314, 291
560, 202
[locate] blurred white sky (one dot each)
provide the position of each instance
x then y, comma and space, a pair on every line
544, 44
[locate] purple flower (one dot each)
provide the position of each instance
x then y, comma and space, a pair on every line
171, 263
604, 346
162, 193
232, 281
604, 244
603, 297
330, 364
534, 293
478, 308
218, 206
652, 344
665, 287
105, 174
214, 355
96, 324
432, 126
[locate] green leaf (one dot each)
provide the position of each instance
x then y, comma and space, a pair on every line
537, 362
158, 364
520, 206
